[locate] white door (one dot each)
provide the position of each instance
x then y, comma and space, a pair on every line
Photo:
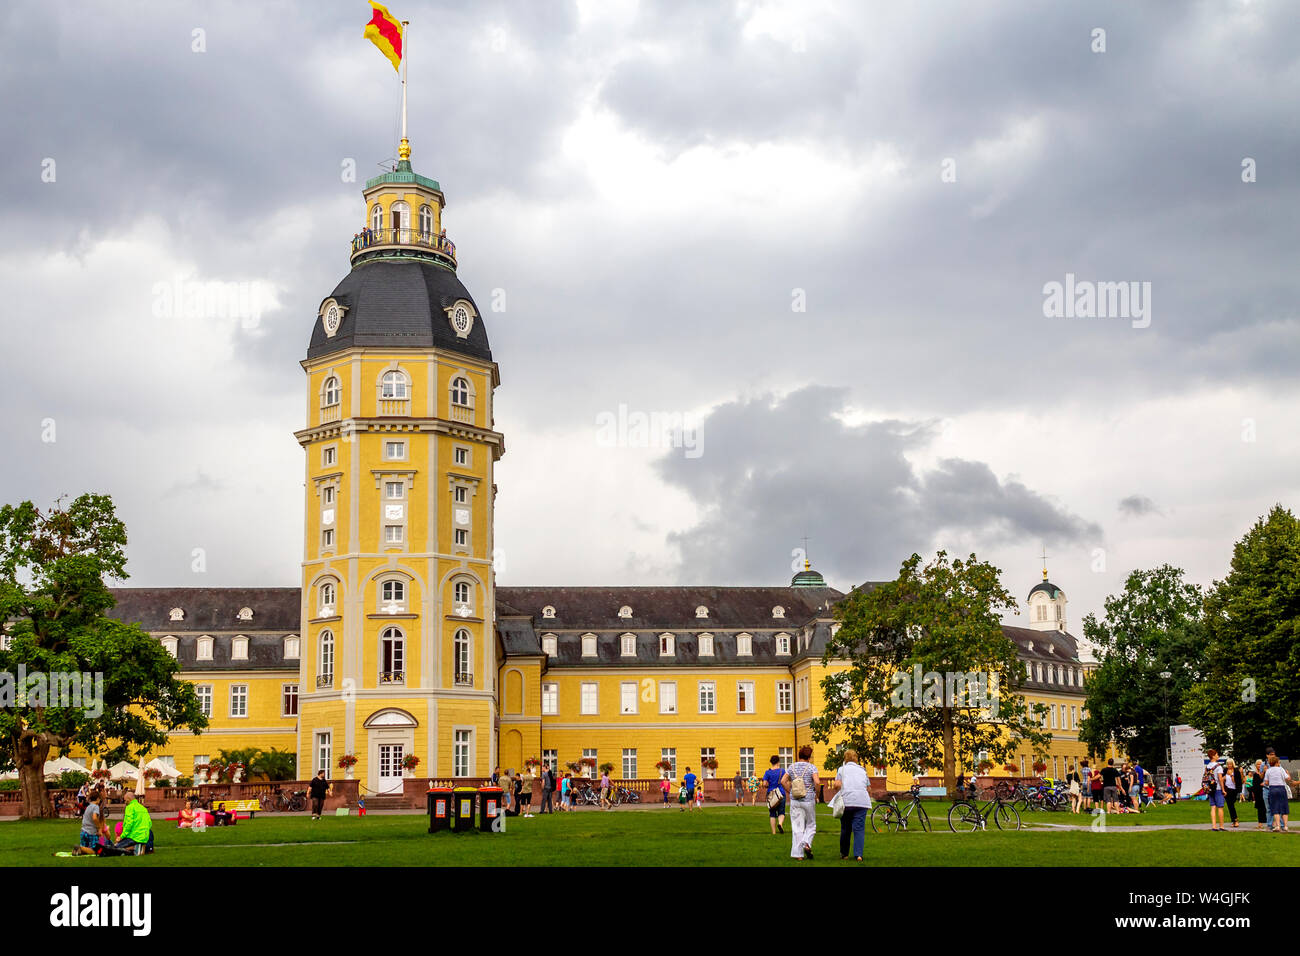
390, 768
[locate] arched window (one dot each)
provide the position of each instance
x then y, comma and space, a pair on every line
169, 644
400, 214
589, 645
627, 645
744, 645
392, 656
548, 611
666, 642
394, 385
331, 393
461, 592
426, 222
377, 217
393, 592
325, 659
460, 391
549, 644
326, 591
783, 643
291, 647
461, 657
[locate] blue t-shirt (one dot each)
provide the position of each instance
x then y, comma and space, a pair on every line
773, 780
1141, 775
688, 781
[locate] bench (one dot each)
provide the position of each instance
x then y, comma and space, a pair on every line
235, 806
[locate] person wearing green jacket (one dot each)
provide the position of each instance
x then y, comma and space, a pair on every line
137, 826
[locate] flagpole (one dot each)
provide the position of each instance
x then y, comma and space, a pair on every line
404, 150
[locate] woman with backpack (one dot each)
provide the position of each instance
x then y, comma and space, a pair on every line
801, 783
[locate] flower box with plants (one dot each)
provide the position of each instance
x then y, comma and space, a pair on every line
1040, 766
152, 776
99, 776
1010, 768
409, 763
606, 767
984, 766
664, 765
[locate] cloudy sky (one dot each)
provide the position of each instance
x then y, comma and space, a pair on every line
817, 233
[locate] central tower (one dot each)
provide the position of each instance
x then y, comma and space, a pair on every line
398, 588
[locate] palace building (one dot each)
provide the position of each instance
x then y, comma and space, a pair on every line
399, 642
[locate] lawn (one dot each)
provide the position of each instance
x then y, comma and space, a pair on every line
718, 836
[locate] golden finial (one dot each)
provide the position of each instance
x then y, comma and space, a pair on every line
404, 150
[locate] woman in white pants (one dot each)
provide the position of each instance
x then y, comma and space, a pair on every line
803, 809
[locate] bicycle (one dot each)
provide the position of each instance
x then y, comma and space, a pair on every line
890, 816
970, 817
285, 802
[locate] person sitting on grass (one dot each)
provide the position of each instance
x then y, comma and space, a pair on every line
93, 828
185, 818
137, 830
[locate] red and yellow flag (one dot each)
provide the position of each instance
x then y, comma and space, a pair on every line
385, 32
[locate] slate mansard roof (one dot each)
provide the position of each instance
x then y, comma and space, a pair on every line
399, 304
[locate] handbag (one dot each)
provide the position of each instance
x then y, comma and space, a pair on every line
774, 796
837, 804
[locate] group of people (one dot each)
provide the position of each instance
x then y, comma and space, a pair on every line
516, 791
794, 790
1123, 788
134, 833
1267, 785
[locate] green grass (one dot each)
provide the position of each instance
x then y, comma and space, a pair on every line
719, 836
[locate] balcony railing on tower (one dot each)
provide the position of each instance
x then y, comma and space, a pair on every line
377, 239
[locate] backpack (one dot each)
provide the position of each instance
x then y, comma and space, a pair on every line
1207, 778
798, 789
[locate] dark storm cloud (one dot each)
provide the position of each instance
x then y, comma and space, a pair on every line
775, 471
1136, 506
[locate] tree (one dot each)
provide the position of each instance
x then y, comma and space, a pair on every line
1152, 627
1250, 698
54, 601
930, 672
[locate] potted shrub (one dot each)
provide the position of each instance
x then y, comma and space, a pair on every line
409, 763
100, 776
664, 767
1010, 768
984, 766
607, 767
346, 763
710, 765
1040, 767
151, 776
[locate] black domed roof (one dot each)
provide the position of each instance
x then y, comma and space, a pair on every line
399, 303
1051, 589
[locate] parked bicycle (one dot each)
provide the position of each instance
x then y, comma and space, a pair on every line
283, 802
967, 816
624, 795
889, 815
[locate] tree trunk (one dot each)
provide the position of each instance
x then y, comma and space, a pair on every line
33, 750
949, 758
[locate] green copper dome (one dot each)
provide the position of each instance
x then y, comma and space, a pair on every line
808, 578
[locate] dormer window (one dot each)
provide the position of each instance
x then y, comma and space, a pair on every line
239, 648
549, 644
706, 645
778, 611
548, 611
783, 643
627, 645
744, 645
589, 645
292, 647
701, 611
176, 614
1031, 647
245, 614
169, 645
625, 611
666, 645
203, 650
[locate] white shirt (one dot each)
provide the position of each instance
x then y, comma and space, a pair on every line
855, 785
1275, 777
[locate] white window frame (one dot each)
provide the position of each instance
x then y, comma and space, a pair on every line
628, 692
395, 450
711, 687
462, 751
589, 645
323, 752
589, 699
629, 763
203, 650
784, 697
783, 645
550, 644
239, 648
627, 645
741, 687
706, 645
667, 645
325, 656
668, 697
747, 754
550, 699
670, 754
744, 645
285, 694
204, 692
238, 692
